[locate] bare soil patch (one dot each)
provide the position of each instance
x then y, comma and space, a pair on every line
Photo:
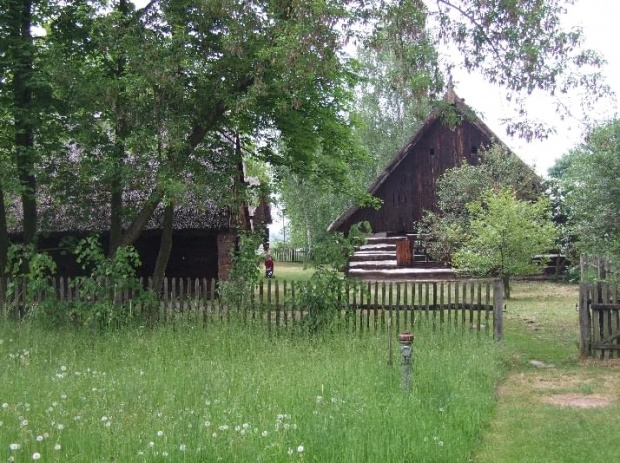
578, 401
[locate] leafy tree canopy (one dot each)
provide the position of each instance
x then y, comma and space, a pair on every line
588, 190
503, 236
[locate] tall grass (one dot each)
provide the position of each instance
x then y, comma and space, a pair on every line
233, 393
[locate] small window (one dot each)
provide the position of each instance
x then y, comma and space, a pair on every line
432, 152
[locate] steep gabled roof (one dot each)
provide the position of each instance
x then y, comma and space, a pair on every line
455, 103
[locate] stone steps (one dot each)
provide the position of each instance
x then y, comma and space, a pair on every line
376, 260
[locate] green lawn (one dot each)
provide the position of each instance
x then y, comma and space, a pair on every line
536, 418
290, 272
229, 393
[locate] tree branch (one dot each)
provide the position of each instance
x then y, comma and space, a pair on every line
473, 20
141, 12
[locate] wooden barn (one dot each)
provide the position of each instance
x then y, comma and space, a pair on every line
450, 134
204, 232
203, 238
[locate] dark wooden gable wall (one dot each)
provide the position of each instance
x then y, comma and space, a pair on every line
410, 188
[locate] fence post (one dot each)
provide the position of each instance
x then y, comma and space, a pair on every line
498, 310
584, 321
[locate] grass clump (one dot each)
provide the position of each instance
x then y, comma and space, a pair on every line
236, 394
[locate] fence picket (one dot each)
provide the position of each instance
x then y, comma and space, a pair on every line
269, 305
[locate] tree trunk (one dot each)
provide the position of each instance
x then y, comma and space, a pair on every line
506, 284
142, 219
21, 53
120, 133
165, 248
4, 236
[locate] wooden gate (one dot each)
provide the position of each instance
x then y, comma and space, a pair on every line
599, 320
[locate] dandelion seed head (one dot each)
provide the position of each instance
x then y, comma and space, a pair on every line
207, 424
63, 368
15, 446
57, 447
151, 444
39, 438
60, 427
265, 433
108, 424
160, 433
182, 447
36, 456
289, 451
300, 449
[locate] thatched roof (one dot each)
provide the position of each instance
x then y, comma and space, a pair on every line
80, 207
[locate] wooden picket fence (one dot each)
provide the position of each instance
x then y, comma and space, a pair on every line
290, 255
599, 320
475, 305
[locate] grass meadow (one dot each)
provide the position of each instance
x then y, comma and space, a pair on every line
233, 393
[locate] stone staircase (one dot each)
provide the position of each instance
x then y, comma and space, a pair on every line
376, 260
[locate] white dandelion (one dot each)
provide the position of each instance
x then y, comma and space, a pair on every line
15, 446
182, 447
36, 455
300, 449
57, 447
160, 433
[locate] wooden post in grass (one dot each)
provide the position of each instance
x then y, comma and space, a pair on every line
584, 321
406, 350
498, 310
390, 356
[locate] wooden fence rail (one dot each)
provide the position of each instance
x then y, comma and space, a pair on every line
475, 305
599, 320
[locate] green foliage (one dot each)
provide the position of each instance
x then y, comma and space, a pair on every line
245, 272
504, 235
587, 194
29, 275
323, 296
333, 250
497, 167
101, 303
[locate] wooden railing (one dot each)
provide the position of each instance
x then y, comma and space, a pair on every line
475, 305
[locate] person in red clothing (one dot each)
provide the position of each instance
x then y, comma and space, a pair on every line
269, 266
